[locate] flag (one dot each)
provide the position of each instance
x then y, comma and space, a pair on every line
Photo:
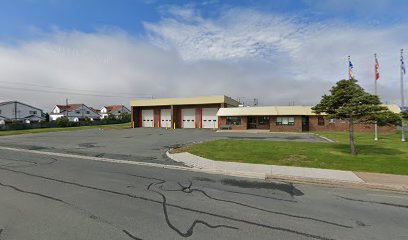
377, 68
350, 68
402, 64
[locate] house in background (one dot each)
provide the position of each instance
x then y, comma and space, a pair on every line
14, 111
74, 112
114, 110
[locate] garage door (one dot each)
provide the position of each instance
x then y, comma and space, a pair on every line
147, 118
165, 115
188, 118
209, 119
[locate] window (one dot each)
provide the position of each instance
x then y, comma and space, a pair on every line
285, 121
320, 121
119, 111
88, 112
234, 121
33, 112
332, 120
263, 120
77, 112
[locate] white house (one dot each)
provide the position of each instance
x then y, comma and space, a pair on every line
115, 110
14, 111
74, 112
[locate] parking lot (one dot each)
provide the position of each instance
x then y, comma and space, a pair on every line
141, 144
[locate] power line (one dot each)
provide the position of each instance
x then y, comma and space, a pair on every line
70, 89
72, 93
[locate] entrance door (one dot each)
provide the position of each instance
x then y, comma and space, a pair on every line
209, 119
188, 118
305, 123
251, 122
165, 115
147, 118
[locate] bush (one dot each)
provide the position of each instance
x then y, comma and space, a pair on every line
62, 122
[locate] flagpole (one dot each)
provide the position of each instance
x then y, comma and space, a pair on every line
402, 97
375, 92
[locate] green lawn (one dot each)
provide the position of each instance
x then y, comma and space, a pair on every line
389, 155
43, 130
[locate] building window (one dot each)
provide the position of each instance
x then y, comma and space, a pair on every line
320, 121
234, 121
118, 111
332, 120
263, 120
77, 112
33, 112
88, 112
285, 121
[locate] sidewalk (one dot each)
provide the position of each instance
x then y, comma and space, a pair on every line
298, 174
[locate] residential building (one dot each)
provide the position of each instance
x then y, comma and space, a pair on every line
194, 112
74, 112
115, 110
14, 111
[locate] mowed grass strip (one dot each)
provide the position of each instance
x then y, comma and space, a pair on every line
44, 130
389, 155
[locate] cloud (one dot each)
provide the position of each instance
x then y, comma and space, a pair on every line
241, 53
291, 47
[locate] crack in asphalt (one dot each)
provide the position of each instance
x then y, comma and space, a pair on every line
30, 163
189, 190
190, 230
32, 193
374, 202
131, 235
92, 216
172, 205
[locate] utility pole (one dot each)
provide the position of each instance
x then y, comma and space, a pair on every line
402, 72
66, 109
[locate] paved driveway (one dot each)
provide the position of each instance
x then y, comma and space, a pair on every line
134, 144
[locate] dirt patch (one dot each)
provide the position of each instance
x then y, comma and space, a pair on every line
180, 149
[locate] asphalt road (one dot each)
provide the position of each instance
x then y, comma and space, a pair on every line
48, 197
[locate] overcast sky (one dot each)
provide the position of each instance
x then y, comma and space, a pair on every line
101, 53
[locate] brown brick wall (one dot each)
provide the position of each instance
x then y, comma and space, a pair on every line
342, 125
297, 127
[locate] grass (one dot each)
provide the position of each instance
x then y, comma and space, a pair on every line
389, 155
44, 130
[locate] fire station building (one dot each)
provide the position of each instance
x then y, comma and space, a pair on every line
194, 112
222, 112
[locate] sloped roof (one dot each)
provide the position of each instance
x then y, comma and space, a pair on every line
113, 108
8, 102
69, 107
278, 111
